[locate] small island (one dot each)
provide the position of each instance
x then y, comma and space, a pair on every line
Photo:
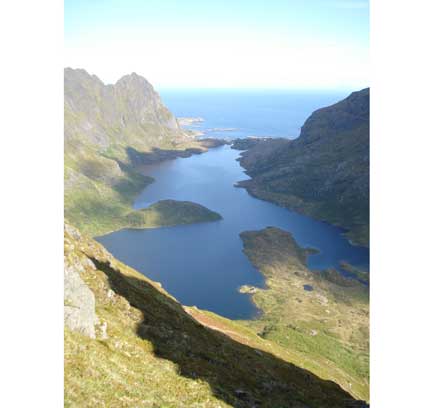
166, 213
187, 121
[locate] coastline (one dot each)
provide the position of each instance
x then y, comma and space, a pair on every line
105, 213
312, 319
355, 239
202, 215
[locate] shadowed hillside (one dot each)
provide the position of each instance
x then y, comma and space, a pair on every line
131, 344
321, 317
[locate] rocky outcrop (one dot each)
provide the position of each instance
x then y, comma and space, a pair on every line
154, 351
109, 130
325, 172
79, 300
104, 123
79, 303
251, 142
126, 112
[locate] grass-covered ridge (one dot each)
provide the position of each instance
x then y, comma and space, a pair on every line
169, 213
98, 199
324, 173
109, 130
149, 351
326, 328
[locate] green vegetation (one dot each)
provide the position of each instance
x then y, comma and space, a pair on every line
98, 203
150, 351
323, 173
171, 212
362, 275
111, 130
100, 210
326, 329
97, 208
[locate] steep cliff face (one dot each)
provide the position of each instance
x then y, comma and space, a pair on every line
129, 112
325, 172
79, 300
135, 345
108, 130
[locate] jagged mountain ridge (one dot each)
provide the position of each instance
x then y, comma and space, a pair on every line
134, 323
102, 114
108, 131
102, 121
325, 171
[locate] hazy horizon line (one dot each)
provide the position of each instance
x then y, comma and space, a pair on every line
225, 88
287, 89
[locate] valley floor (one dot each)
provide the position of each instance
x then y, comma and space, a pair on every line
309, 348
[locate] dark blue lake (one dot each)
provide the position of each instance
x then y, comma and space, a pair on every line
203, 264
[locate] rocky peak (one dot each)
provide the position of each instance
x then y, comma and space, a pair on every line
78, 77
325, 171
343, 116
143, 102
101, 114
135, 84
132, 78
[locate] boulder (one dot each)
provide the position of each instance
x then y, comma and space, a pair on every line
79, 302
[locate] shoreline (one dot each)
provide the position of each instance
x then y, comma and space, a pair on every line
154, 158
177, 224
324, 291
356, 234
344, 230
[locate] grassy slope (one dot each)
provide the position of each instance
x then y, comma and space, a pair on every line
98, 199
325, 172
105, 140
325, 329
157, 354
171, 212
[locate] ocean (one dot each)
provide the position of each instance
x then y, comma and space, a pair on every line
204, 264
242, 113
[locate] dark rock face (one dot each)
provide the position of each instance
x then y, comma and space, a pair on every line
346, 115
325, 172
248, 142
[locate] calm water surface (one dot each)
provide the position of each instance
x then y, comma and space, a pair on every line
203, 264
275, 113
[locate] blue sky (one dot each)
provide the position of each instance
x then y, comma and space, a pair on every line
229, 44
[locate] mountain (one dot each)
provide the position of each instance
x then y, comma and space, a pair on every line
108, 131
128, 343
324, 172
128, 113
